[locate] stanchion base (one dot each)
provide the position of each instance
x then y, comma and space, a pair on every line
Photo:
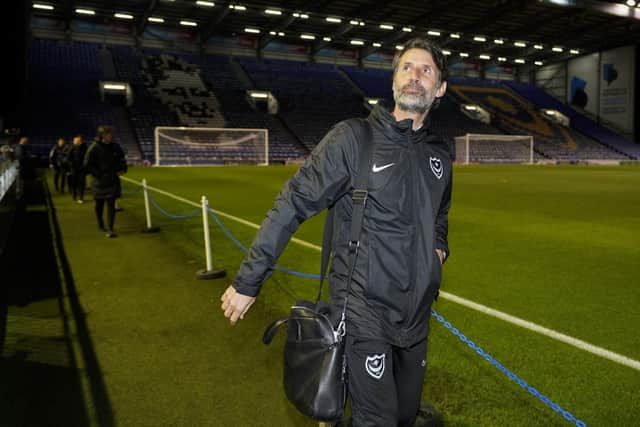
151, 229
210, 274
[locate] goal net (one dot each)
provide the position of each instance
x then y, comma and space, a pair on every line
481, 148
185, 146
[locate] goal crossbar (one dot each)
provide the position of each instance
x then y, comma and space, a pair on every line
220, 141
469, 138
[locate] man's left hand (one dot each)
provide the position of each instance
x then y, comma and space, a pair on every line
440, 253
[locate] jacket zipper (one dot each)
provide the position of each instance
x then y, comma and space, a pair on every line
414, 201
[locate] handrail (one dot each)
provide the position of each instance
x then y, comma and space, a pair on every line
8, 174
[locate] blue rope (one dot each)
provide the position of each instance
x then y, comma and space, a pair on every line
131, 192
566, 414
242, 247
297, 273
170, 215
522, 383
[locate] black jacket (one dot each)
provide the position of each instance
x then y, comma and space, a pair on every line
59, 157
398, 272
76, 158
104, 162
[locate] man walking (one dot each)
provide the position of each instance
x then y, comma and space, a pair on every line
402, 244
105, 161
59, 162
77, 179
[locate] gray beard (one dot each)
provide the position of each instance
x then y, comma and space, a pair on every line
413, 103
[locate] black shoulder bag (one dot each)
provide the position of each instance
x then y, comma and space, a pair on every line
314, 361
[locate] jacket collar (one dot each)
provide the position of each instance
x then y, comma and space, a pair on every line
398, 131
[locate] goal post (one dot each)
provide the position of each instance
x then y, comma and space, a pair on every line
202, 146
488, 148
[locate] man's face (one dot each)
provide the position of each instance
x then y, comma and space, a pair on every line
416, 82
60, 142
77, 140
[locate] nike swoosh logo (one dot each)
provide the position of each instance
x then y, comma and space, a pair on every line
379, 168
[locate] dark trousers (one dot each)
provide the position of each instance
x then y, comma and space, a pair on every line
385, 382
77, 182
60, 179
111, 212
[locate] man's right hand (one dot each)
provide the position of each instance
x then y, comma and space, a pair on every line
235, 305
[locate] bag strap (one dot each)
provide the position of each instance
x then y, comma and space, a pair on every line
269, 333
364, 134
326, 249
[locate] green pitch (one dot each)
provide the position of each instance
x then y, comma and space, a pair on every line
554, 245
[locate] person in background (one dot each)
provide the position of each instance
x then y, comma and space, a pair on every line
26, 171
105, 161
24, 157
59, 162
77, 179
6, 151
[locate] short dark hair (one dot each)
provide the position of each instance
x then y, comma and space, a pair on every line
431, 47
104, 130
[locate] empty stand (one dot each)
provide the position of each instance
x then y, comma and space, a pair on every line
64, 97
231, 92
178, 85
147, 112
516, 115
312, 97
579, 122
211, 90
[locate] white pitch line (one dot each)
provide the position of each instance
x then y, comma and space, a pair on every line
217, 212
256, 226
575, 342
558, 336
582, 345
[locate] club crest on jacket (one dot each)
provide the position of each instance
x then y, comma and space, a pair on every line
375, 365
436, 166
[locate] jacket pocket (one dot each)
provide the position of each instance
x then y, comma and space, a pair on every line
389, 268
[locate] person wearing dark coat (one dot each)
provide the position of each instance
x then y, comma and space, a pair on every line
59, 161
105, 161
24, 157
387, 293
77, 179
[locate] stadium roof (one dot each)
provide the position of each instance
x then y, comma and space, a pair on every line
474, 27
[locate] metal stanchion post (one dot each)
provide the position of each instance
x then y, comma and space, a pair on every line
149, 228
209, 272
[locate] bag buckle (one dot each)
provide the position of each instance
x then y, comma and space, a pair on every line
340, 331
359, 197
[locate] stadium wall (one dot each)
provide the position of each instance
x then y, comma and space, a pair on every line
553, 80
617, 92
583, 83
